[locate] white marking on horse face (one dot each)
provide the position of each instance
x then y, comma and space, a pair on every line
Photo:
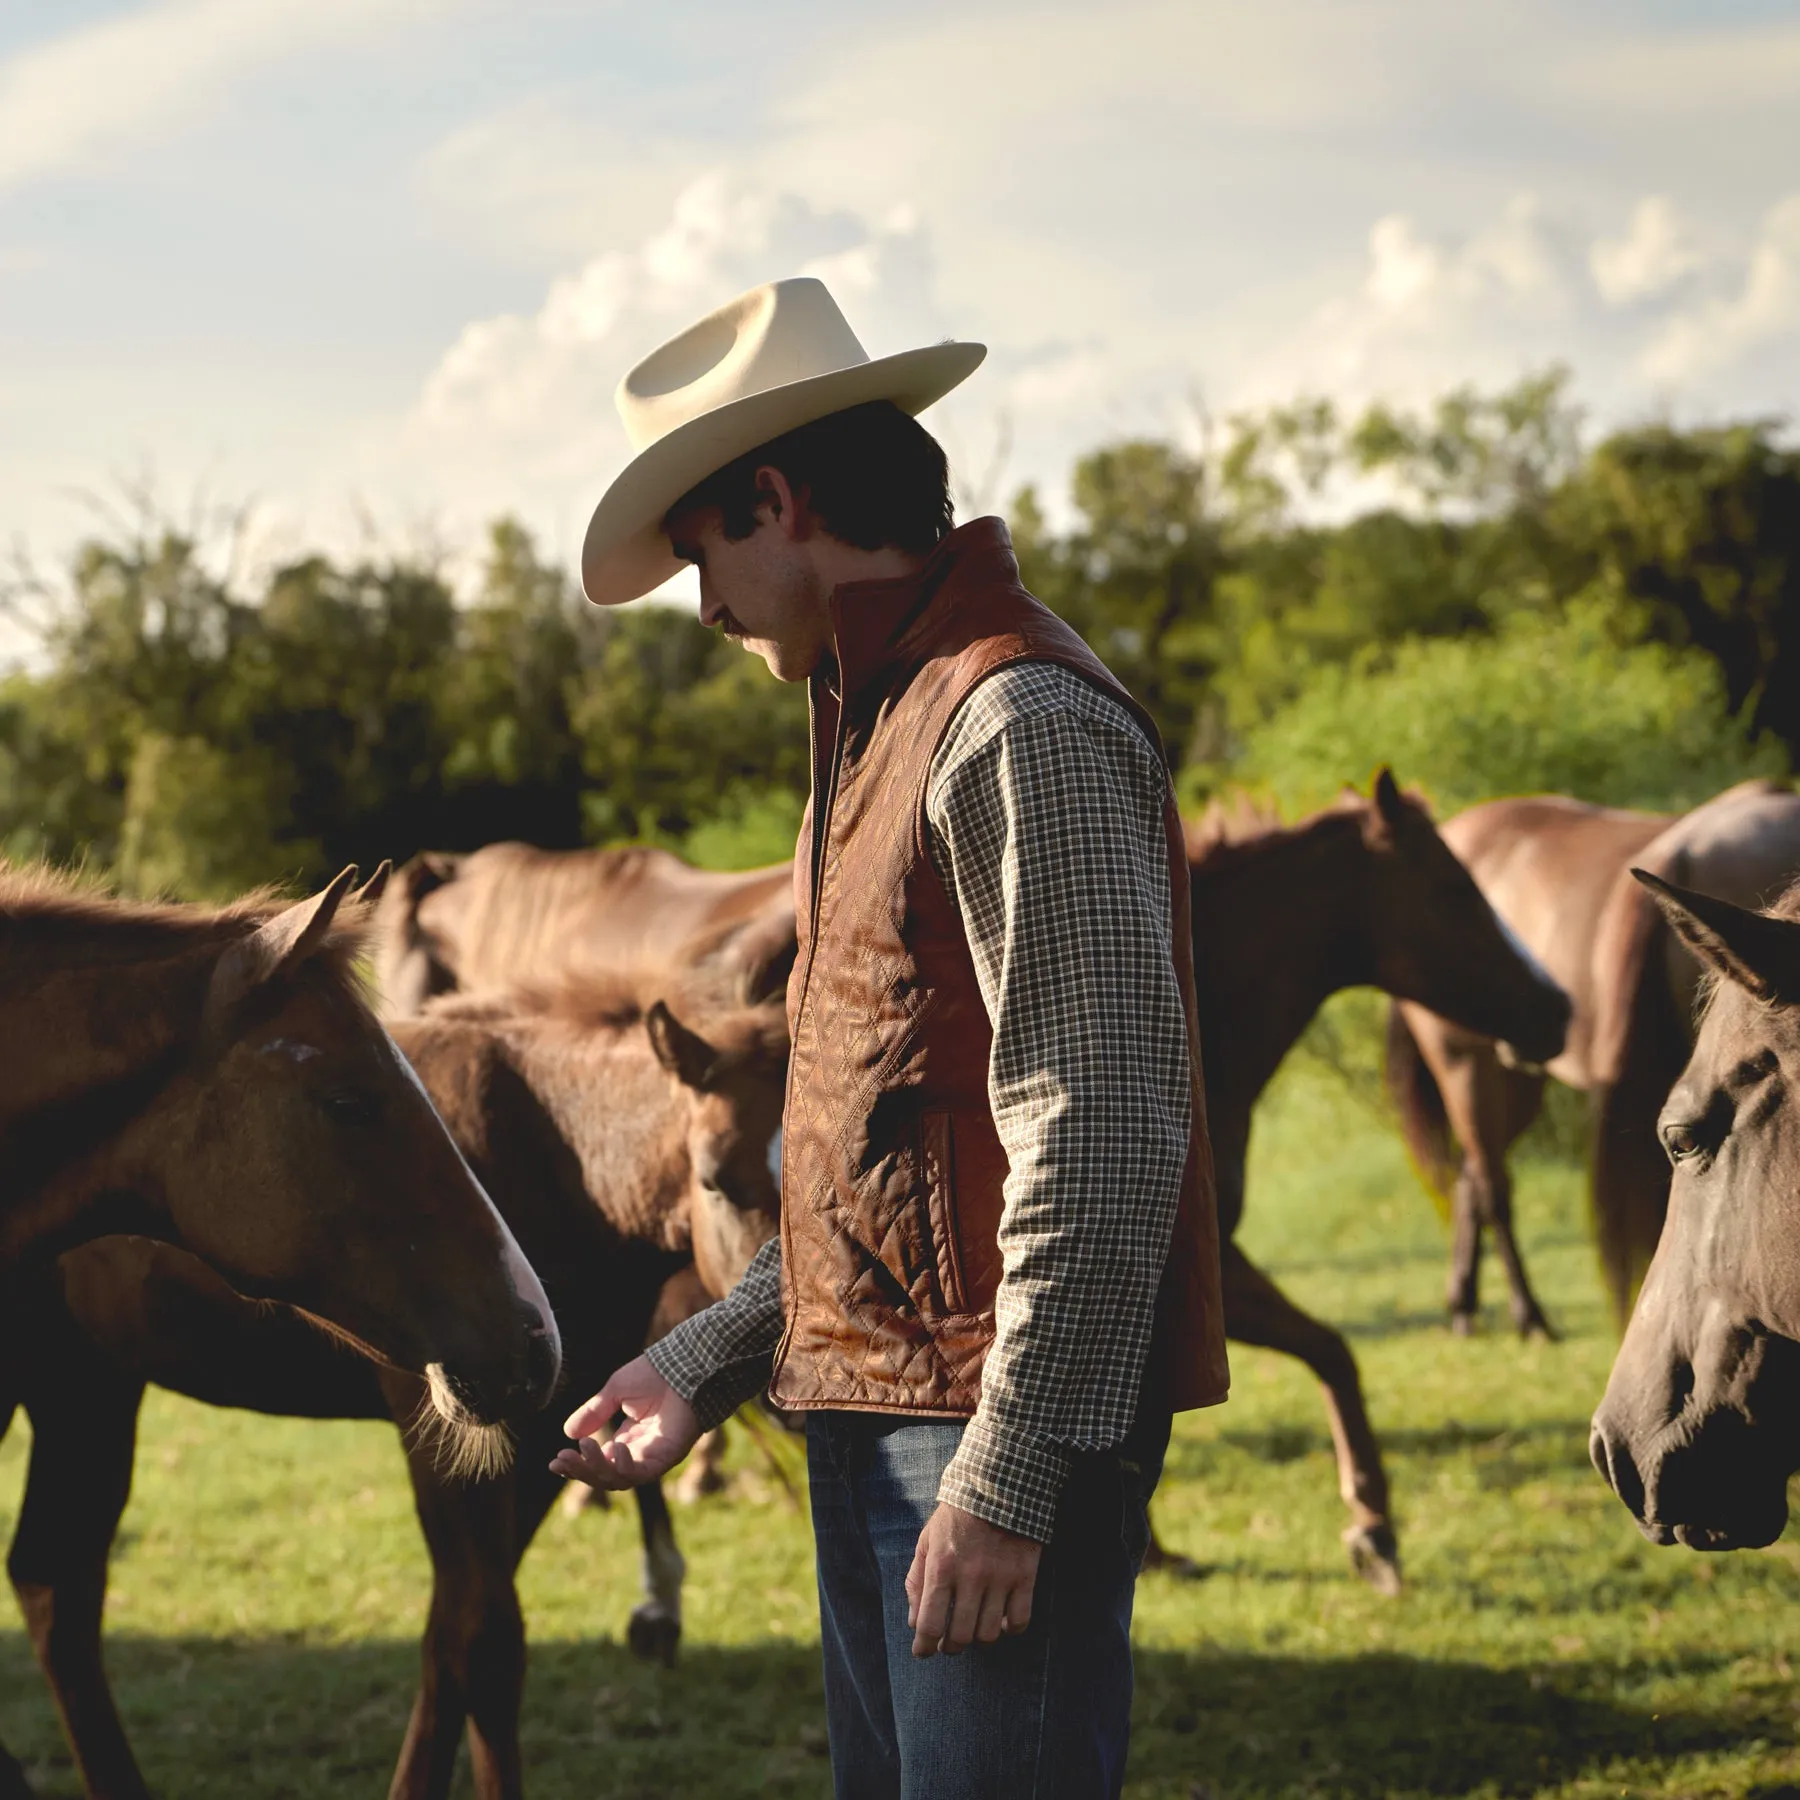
775, 1156
520, 1273
293, 1050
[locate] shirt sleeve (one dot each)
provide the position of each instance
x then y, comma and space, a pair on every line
1046, 811
722, 1357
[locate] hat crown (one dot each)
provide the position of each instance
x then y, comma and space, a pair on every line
782, 332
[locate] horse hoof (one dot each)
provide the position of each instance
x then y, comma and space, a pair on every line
1462, 1324
1538, 1329
653, 1634
1375, 1556
1170, 1562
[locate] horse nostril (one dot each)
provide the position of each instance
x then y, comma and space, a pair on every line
1618, 1469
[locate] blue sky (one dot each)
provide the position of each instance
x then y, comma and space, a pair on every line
384, 260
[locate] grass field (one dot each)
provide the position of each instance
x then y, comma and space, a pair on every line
270, 1583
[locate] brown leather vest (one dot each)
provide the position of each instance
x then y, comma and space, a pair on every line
892, 1172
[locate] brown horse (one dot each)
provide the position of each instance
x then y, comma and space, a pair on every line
1366, 894
508, 913
1555, 870
617, 1143
1699, 1430
213, 1079
1743, 847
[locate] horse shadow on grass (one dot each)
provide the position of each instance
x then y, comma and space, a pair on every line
284, 1719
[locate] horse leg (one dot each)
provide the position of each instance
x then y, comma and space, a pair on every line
654, 1633
13, 1785
705, 1471
79, 1479
1258, 1312
1522, 1099
1481, 1102
473, 1655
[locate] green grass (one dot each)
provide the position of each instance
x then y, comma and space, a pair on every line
270, 1583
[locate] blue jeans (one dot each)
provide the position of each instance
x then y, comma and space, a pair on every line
1045, 1715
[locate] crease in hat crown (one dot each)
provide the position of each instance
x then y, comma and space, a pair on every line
773, 359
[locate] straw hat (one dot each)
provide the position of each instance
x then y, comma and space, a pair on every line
773, 359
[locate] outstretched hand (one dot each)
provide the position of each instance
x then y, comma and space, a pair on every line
970, 1582
659, 1430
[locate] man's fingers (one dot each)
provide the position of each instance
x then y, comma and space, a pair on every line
990, 1624
598, 1413
915, 1582
935, 1601
972, 1589
593, 1463
1018, 1605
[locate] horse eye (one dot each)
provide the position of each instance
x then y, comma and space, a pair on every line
1680, 1142
347, 1106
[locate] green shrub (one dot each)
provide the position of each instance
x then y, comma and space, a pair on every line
1545, 704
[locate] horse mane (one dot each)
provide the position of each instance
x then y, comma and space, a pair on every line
60, 910
1239, 824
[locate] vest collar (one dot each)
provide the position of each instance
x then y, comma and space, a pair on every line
879, 626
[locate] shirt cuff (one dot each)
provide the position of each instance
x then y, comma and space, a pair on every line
714, 1391
1009, 1482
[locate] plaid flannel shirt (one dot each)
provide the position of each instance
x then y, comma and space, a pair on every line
1045, 807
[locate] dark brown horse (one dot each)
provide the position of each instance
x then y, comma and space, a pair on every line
213, 1079
508, 913
1366, 894
1699, 1430
617, 1142
1556, 871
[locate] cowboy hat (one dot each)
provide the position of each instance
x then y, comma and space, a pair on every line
769, 361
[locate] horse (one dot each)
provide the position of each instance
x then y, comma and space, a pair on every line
1699, 1429
1364, 894
619, 1142
213, 1078
1556, 870
508, 912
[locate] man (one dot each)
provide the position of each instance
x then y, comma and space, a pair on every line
997, 1273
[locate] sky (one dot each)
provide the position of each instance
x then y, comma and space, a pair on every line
374, 267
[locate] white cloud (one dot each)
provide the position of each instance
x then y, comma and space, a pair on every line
1654, 313
1758, 321
66, 101
1659, 249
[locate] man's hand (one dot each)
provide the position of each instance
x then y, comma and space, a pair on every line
970, 1582
660, 1429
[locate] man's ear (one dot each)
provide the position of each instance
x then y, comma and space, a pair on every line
785, 507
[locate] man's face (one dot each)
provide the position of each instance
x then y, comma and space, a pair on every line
762, 589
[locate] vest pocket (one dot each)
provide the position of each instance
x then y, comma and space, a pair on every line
937, 1155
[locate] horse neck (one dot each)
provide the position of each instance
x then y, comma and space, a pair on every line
618, 1111
1276, 934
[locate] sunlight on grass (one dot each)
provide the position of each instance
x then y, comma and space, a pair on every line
270, 1581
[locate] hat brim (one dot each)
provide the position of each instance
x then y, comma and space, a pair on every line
626, 553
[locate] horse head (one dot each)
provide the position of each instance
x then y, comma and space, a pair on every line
1437, 941
733, 1071
1699, 1428
297, 1154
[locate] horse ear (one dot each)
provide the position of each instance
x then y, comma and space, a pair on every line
685, 1054
274, 947
1760, 954
372, 889
1389, 801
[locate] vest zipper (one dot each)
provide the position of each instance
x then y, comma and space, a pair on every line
822, 799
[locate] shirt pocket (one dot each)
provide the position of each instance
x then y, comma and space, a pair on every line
937, 1162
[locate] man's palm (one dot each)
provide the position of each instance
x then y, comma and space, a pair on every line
659, 1430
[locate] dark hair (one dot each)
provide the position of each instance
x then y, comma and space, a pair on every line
873, 475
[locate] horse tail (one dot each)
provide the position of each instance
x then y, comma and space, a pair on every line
1423, 1122
1641, 1046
